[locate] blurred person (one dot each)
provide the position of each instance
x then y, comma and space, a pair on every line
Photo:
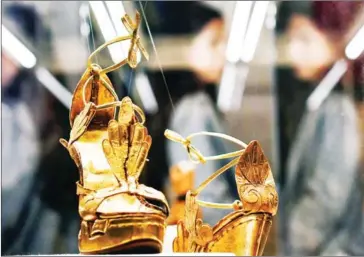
197, 38
30, 224
321, 205
21, 151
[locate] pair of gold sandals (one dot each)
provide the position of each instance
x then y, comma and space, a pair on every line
110, 145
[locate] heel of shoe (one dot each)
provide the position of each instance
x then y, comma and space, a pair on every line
243, 235
131, 233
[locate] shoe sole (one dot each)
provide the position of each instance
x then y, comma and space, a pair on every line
127, 233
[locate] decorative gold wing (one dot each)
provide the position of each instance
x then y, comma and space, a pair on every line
198, 233
255, 181
80, 124
128, 145
82, 121
140, 143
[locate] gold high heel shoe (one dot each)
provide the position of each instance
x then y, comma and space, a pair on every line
244, 231
110, 148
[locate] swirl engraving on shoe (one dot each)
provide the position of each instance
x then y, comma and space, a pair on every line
252, 216
255, 182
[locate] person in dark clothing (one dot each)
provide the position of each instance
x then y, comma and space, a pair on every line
27, 225
321, 206
37, 184
197, 37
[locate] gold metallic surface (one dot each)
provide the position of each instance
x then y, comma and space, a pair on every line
118, 214
136, 45
243, 232
182, 180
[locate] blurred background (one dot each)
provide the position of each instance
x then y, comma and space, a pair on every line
288, 74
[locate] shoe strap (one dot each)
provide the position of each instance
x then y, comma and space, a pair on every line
135, 45
102, 47
116, 103
194, 154
100, 195
197, 157
97, 71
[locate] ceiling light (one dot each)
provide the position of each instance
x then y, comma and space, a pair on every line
107, 29
237, 32
356, 46
255, 26
17, 50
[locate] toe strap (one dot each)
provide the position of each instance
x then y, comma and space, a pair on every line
90, 200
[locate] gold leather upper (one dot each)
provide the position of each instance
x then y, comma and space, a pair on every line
111, 155
109, 144
245, 230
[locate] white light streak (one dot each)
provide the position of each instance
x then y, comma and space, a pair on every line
17, 50
28, 60
326, 85
117, 10
53, 85
146, 93
237, 98
255, 26
107, 29
356, 46
237, 32
227, 86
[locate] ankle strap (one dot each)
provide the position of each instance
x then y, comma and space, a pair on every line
102, 47
194, 154
197, 157
96, 76
135, 45
97, 71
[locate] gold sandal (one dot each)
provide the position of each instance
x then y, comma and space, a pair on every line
109, 145
244, 231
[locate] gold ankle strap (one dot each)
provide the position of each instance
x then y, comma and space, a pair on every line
116, 103
135, 45
102, 47
197, 157
97, 71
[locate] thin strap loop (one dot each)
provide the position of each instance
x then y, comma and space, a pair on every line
100, 48
215, 205
215, 175
198, 190
195, 155
213, 134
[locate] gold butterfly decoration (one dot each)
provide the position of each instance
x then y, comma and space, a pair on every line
136, 45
